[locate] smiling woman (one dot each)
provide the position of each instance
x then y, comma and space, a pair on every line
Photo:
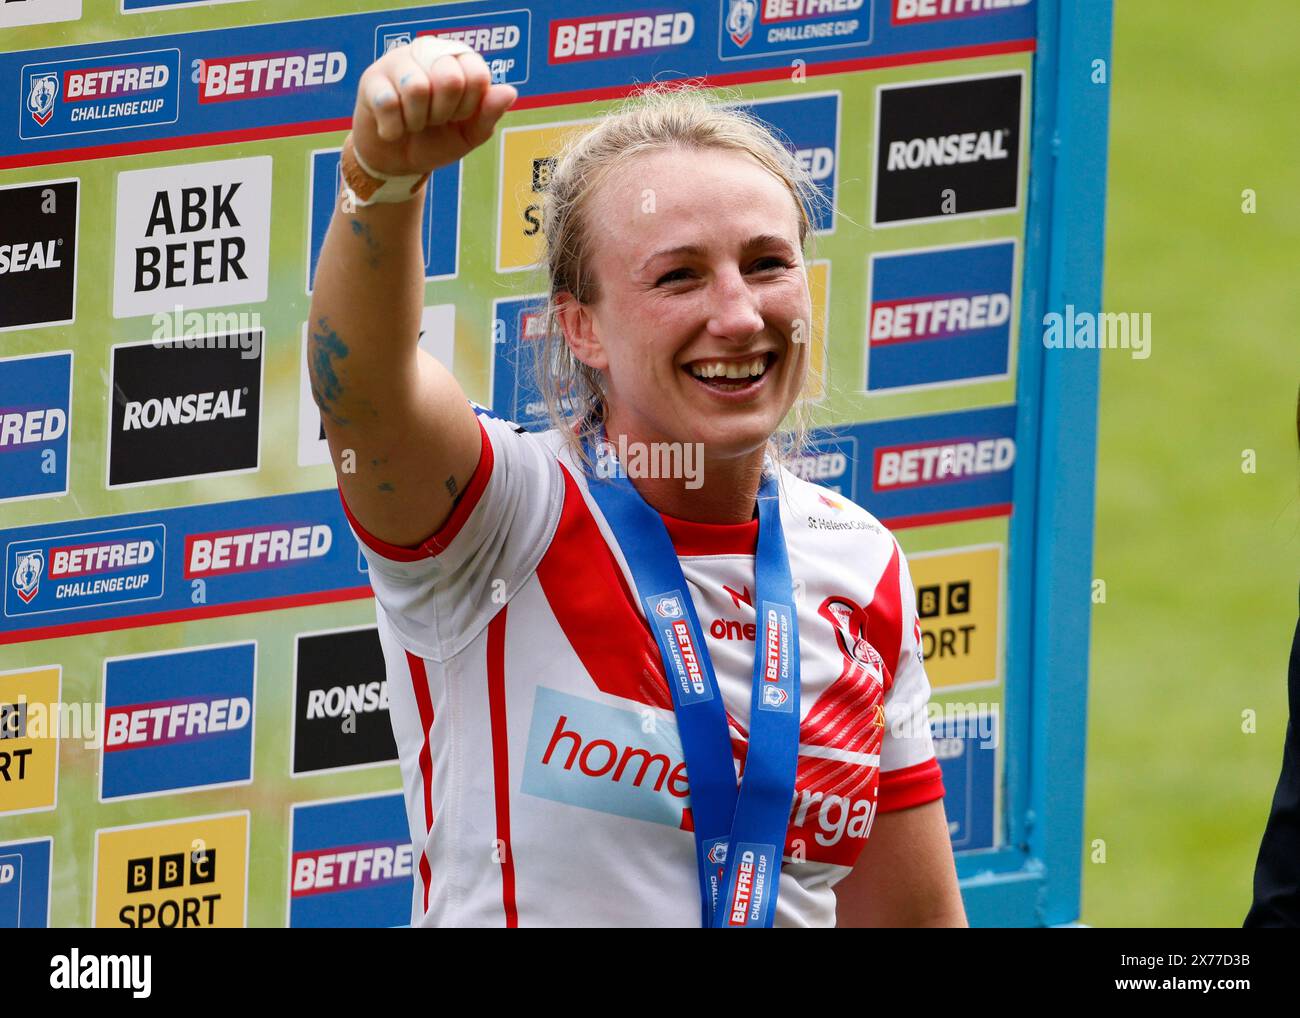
623, 697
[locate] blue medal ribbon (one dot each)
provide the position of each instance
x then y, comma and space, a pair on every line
739, 832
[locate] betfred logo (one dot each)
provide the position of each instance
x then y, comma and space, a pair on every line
947, 149
223, 79
600, 36
351, 863
178, 721
743, 893
754, 28
916, 12
236, 551
84, 570
940, 316
35, 400
923, 464
682, 634
341, 712
103, 93
185, 409
38, 254
196, 236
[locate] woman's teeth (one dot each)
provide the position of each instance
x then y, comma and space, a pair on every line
721, 369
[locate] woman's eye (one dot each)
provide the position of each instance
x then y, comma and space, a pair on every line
772, 262
667, 277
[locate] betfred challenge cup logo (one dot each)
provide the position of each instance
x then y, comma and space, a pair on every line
44, 89
740, 20
669, 608
27, 575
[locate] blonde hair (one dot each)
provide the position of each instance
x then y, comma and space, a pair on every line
662, 115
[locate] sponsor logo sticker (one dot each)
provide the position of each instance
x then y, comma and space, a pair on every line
35, 415
111, 92
29, 739
38, 254
958, 604
65, 572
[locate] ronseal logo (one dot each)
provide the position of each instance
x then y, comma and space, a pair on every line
38, 254
948, 148
341, 711
185, 409
101, 93
35, 404
196, 236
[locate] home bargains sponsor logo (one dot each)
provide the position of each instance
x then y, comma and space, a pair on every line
441, 206
627, 33
947, 149
103, 93
38, 253
182, 874
940, 316
37, 12
809, 126
937, 468
916, 12
35, 404
195, 235
29, 745
351, 863
25, 883
340, 714
181, 411
600, 757
755, 28
501, 38
968, 758
219, 553
227, 79
178, 721
83, 570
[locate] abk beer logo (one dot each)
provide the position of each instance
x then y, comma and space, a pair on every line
501, 38
194, 235
180, 411
759, 28
37, 12
602, 36
227, 79
65, 572
352, 863
25, 883
38, 254
940, 316
35, 407
101, 93
29, 739
947, 149
181, 874
340, 714
177, 721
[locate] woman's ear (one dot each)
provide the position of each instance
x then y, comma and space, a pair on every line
579, 328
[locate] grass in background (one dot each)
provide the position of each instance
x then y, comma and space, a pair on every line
1201, 560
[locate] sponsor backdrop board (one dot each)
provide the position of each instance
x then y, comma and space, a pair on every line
172, 543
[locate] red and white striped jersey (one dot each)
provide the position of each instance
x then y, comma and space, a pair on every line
541, 764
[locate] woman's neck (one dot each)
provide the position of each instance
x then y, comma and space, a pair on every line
705, 490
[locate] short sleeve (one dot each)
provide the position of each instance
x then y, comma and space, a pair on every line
909, 772
440, 594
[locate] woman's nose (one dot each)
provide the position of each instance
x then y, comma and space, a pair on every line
735, 306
